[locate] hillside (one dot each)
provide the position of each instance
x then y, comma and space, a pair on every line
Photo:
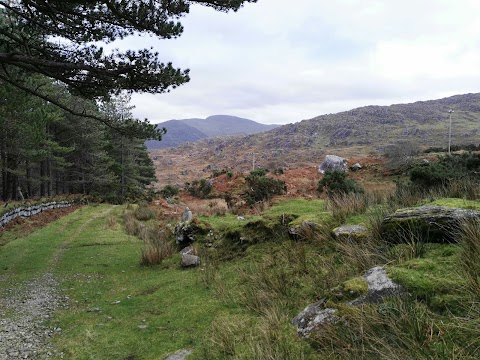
354, 133
191, 130
178, 132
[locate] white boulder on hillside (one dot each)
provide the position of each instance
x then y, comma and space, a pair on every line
333, 163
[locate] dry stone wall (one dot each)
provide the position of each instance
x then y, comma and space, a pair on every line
27, 211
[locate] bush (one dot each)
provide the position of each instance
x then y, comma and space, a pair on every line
446, 170
338, 182
169, 191
258, 172
144, 213
200, 189
261, 188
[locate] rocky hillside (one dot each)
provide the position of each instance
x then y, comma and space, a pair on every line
351, 133
190, 130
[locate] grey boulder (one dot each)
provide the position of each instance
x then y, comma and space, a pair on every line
333, 163
189, 260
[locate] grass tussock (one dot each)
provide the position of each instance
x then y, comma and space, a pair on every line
111, 222
470, 242
210, 207
144, 213
401, 328
156, 248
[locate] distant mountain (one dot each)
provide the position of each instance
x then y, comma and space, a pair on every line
218, 125
178, 132
190, 130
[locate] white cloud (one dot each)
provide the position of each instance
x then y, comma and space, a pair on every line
279, 61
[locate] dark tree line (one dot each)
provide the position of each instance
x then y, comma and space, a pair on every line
65, 126
45, 151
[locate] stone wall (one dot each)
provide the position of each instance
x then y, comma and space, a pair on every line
27, 211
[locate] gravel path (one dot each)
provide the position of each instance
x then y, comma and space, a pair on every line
23, 333
25, 309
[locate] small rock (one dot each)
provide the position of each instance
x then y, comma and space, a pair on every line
313, 317
350, 232
142, 327
179, 355
379, 287
187, 250
189, 260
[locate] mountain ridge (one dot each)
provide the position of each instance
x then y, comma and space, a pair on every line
194, 129
366, 130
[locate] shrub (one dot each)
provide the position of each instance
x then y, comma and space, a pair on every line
261, 188
447, 169
200, 188
338, 182
169, 191
144, 213
258, 172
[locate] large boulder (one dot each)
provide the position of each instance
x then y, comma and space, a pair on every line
333, 163
429, 223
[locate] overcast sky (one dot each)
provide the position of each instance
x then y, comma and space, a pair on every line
282, 61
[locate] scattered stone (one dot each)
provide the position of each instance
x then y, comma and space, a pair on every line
333, 163
241, 218
142, 327
313, 317
350, 232
179, 355
188, 250
379, 287
356, 167
95, 310
430, 223
190, 260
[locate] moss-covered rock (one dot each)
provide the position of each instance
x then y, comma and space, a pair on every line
350, 232
351, 289
436, 224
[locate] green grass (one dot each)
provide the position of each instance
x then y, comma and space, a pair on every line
240, 307
457, 203
303, 209
110, 293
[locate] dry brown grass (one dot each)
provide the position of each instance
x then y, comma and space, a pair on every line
155, 250
208, 207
